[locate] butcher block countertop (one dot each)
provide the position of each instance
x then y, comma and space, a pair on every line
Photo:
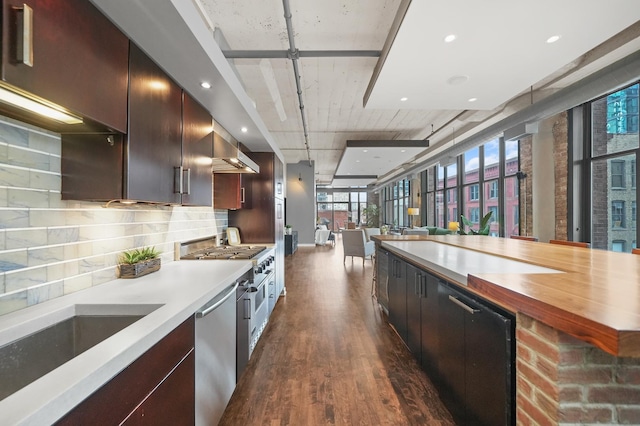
591, 294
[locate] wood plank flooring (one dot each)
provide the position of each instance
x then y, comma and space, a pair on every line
329, 357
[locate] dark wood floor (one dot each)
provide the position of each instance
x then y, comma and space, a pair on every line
328, 355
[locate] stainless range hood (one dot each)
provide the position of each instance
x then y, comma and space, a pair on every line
229, 159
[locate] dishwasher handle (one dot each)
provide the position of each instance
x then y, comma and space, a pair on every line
231, 290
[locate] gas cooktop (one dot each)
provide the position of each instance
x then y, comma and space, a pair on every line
225, 252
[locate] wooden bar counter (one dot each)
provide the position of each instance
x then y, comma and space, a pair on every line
577, 323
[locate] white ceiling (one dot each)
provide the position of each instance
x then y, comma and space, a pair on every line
500, 48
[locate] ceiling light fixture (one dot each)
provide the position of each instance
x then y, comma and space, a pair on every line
23, 100
457, 80
244, 130
404, 99
450, 38
473, 99
365, 150
205, 85
553, 39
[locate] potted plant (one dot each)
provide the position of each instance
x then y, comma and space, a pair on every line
138, 262
483, 227
372, 214
288, 229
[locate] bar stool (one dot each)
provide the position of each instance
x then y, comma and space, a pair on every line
635, 251
571, 243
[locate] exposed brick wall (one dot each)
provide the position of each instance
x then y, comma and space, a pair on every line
526, 186
560, 159
562, 380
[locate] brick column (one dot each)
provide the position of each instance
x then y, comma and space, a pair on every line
562, 380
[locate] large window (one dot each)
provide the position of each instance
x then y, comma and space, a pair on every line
336, 207
485, 181
613, 146
396, 203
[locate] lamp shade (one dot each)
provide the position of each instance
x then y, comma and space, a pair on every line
413, 211
454, 226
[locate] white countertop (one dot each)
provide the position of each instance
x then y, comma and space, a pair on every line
457, 263
181, 287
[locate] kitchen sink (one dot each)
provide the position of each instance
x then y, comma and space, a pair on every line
67, 334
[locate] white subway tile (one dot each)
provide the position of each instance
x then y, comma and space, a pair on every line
25, 238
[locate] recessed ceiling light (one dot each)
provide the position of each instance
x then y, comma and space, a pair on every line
244, 130
450, 38
206, 85
473, 99
403, 150
357, 161
404, 99
457, 80
365, 150
553, 39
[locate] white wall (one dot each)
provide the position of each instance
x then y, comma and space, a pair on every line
50, 247
301, 201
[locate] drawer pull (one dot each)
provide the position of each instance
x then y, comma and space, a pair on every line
463, 305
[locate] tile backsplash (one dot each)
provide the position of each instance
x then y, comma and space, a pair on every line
50, 247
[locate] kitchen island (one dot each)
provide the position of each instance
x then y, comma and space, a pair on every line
171, 295
577, 319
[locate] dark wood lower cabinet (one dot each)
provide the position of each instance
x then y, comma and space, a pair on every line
157, 388
476, 360
398, 296
465, 344
168, 401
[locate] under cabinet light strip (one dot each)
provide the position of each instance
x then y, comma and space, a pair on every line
21, 101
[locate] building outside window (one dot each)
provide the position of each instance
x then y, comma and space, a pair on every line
617, 174
617, 214
474, 193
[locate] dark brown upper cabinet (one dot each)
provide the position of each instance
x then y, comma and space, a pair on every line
79, 61
232, 191
154, 146
197, 150
164, 158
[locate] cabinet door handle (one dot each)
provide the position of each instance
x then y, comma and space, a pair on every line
177, 180
463, 305
24, 35
423, 285
242, 195
188, 181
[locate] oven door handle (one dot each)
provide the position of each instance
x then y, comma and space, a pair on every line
219, 300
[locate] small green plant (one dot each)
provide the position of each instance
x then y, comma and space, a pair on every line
372, 214
483, 227
131, 257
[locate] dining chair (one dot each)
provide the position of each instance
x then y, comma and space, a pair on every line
571, 243
355, 243
523, 237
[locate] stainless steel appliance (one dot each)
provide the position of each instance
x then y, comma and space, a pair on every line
255, 296
215, 340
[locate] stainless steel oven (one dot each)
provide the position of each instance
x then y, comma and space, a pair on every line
253, 296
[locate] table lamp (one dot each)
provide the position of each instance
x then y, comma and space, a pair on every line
413, 211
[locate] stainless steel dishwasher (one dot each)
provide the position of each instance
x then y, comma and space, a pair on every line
215, 355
